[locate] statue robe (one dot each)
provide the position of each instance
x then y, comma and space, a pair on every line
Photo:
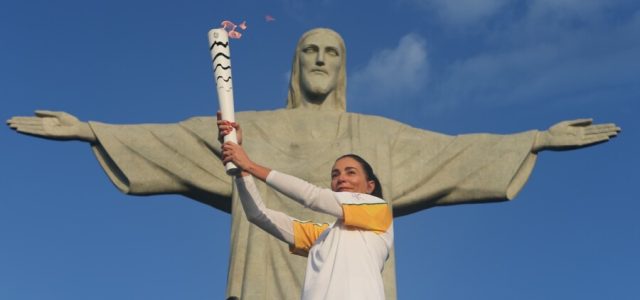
418, 169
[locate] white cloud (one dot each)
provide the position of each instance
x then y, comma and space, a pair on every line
391, 73
544, 62
541, 51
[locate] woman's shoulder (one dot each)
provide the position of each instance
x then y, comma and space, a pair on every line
358, 198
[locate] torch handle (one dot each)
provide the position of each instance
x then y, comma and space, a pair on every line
221, 63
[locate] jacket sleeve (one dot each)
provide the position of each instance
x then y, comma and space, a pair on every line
319, 199
276, 223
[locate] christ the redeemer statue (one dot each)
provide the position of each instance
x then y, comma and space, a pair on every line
418, 169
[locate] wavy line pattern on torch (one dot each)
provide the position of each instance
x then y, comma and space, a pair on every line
223, 79
221, 66
220, 54
216, 43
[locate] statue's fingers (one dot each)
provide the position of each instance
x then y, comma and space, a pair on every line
607, 124
14, 120
580, 122
20, 120
609, 130
31, 131
31, 127
603, 128
595, 139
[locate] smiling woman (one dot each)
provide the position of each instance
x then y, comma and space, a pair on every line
346, 257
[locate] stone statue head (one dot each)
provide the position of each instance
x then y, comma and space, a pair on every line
319, 73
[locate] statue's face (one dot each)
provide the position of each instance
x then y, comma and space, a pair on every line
320, 63
347, 175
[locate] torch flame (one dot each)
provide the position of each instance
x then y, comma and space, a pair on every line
230, 27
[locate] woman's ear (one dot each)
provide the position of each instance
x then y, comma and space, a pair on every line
371, 185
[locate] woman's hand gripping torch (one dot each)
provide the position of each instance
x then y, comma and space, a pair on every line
221, 61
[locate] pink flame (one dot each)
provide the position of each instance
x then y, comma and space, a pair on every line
230, 27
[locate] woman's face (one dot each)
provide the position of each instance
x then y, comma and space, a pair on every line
347, 175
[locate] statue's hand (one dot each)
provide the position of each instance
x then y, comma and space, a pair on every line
55, 125
568, 135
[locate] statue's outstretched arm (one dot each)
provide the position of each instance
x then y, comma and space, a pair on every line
569, 135
54, 125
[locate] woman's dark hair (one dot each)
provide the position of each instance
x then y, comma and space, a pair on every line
368, 170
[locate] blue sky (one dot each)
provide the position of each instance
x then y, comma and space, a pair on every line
459, 67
